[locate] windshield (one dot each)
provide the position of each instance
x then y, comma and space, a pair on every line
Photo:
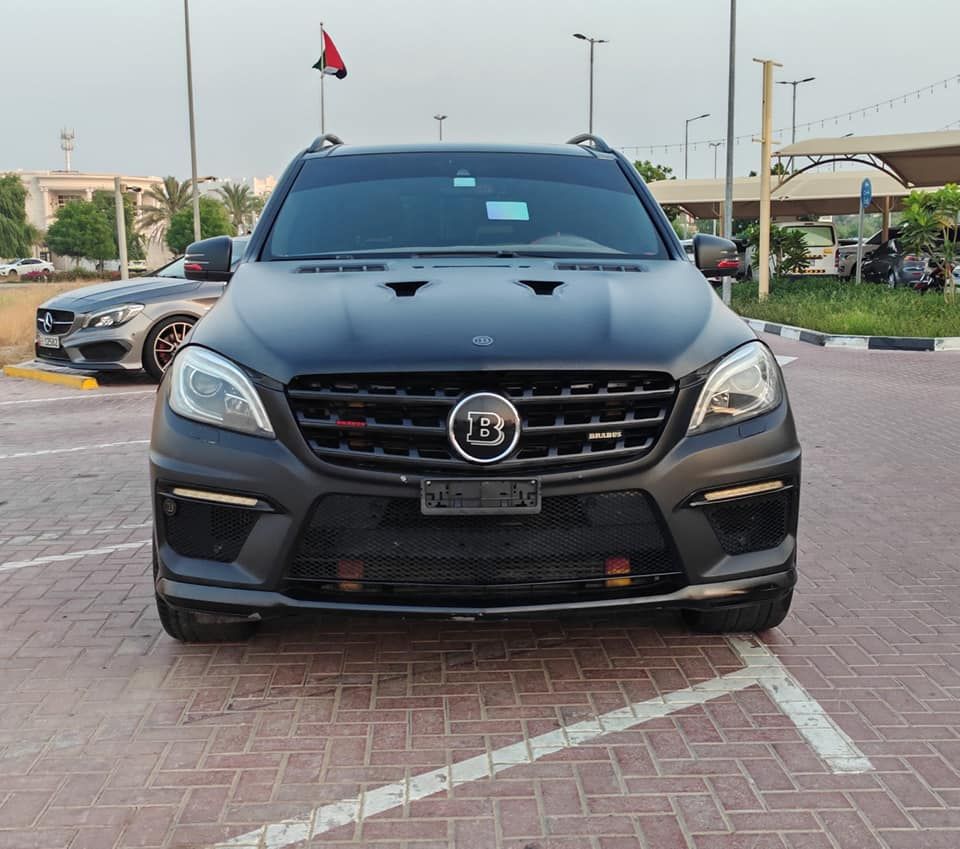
816, 236
422, 203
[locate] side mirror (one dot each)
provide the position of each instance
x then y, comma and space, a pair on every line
209, 259
714, 256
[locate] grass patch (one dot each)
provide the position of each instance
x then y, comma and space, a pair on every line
18, 317
833, 306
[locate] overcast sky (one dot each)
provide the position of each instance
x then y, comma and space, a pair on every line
501, 69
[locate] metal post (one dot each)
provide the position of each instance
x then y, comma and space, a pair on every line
885, 225
728, 176
793, 126
763, 259
440, 119
590, 122
859, 243
193, 131
323, 73
121, 229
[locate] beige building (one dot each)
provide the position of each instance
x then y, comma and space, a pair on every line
49, 191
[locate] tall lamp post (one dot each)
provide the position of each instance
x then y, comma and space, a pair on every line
592, 41
795, 83
715, 146
193, 130
686, 140
440, 120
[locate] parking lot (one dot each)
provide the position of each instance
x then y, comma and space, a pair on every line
841, 730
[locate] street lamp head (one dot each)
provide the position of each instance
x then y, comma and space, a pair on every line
808, 80
440, 117
580, 35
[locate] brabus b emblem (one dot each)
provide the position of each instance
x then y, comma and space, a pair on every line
484, 428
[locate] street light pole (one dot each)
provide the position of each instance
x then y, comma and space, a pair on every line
726, 286
715, 145
795, 83
193, 130
440, 120
592, 41
686, 140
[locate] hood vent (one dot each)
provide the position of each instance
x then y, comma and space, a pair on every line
542, 287
407, 288
597, 266
339, 269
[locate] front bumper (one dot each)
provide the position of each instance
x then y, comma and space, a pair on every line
288, 481
101, 349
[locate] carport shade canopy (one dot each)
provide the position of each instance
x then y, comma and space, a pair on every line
916, 159
810, 193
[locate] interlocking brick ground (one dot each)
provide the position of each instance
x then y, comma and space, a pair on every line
112, 735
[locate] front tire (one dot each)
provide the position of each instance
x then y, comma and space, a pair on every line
192, 626
751, 617
162, 342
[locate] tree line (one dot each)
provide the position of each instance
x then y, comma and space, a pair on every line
87, 228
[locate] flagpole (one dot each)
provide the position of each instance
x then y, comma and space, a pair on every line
323, 73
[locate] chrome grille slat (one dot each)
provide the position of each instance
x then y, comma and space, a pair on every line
400, 420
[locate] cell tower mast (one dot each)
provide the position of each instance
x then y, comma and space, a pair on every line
66, 144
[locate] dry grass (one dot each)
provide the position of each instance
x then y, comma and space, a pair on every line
18, 310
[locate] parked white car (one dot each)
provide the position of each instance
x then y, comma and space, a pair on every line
20, 267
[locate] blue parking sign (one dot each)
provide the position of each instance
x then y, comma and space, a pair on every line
866, 193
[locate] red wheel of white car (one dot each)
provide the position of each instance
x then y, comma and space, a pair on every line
162, 343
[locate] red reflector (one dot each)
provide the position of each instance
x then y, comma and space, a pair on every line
351, 570
192, 266
728, 263
617, 566
349, 423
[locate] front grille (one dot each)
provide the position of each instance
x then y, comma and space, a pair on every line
752, 524
400, 420
207, 531
376, 542
51, 353
62, 321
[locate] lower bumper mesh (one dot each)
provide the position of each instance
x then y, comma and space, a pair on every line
388, 541
207, 531
752, 524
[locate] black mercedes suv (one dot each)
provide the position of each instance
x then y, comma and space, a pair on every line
470, 380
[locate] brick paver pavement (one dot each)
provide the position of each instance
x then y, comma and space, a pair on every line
113, 735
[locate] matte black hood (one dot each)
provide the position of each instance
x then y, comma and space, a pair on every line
282, 323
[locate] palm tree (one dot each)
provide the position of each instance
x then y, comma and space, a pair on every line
168, 198
240, 204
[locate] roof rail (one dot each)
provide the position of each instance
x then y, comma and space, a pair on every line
326, 140
595, 141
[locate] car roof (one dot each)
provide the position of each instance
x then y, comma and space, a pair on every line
458, 147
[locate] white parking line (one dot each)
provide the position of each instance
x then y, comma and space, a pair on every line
70, 450
11, 565
761, 668
78, 397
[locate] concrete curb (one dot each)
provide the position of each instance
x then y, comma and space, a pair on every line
60, 378
863, 343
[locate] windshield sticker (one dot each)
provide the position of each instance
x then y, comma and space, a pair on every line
464, 182
507, 210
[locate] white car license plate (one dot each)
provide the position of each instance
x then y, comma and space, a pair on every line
45, 341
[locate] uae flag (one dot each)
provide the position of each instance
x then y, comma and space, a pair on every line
330, 61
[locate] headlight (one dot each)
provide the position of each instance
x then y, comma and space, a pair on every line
744, 384
208, 388
113, 317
